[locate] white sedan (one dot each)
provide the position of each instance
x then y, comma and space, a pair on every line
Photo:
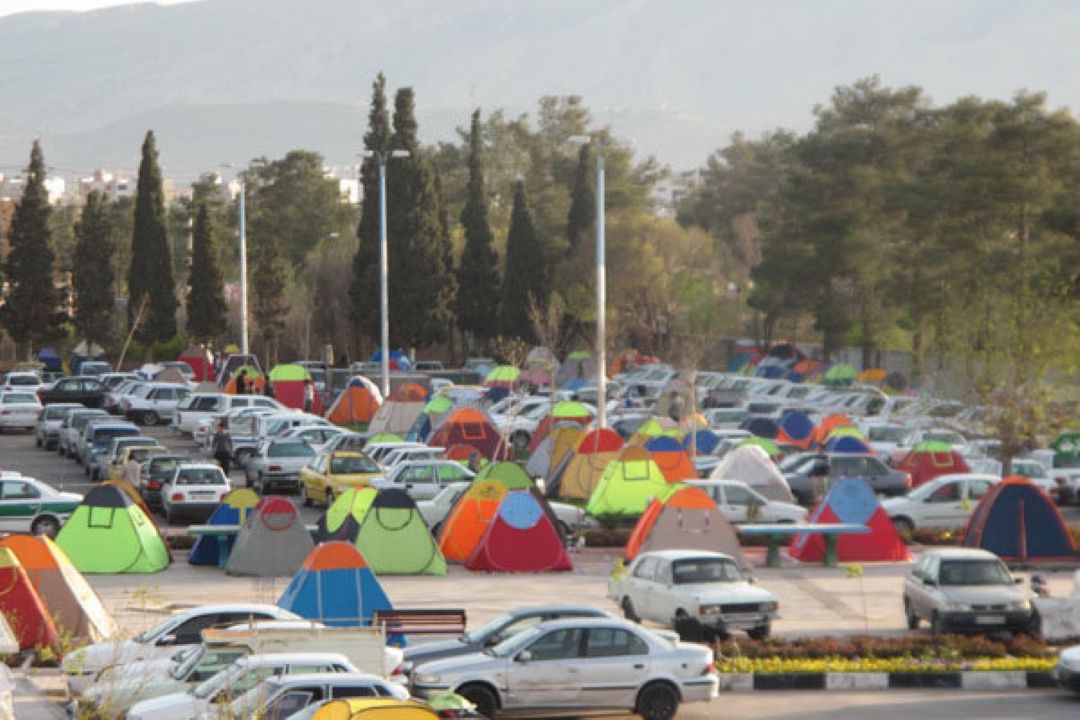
194, 491
944, 502
740, 503
19, 410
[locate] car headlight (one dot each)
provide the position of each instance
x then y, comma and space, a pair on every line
1023, 605
428, 678
958, 607
709, 609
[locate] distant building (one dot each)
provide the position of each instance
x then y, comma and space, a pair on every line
11, 188
670, 190
111, 185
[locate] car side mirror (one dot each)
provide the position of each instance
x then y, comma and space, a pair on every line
524, 656
167, 639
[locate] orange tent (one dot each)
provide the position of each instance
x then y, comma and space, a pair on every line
410, 392
669, 456
470, 427
826, 426
685, 498
22, 607
469, 518
357, 403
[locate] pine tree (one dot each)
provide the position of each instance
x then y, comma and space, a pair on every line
364, 292
420, 283
525, 280
270, 305
477, 273
582, 203
206, 302
151, 275
92, 272
30, 313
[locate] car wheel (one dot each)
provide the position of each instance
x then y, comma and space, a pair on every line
903, 524
909, 613
688, 628
761, 632
657, 701
45, 525
305, 499
150, 418
628, 610
483, 697
937, 624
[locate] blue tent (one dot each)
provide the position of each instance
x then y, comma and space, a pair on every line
50, 359
336, 587
233, 510
847, 444
396, 356
704, 440
795, 427
1018, 522
663, 443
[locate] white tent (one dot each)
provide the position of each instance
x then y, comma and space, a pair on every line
751, 465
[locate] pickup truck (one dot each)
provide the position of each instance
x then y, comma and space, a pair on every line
699, 594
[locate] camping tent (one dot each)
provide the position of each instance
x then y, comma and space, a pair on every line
431, 416
795, 428
468, 519
272, 542
109, 533
23, 608
751, 464
561, 442
668, 453
847, 444
50, 359
523, 536
701, 442
396, 416
343, 518
196, 358
687, 519
408, 392
74, 607
826, 426
566, 411
467, 426
253, 379
578, 474
851, 500
288, 382
1017, 521
628, 484
394, 539
398, 359
335, 586
503, 376
839, 374
381, 708
233, 510
655, 427
927, 460
578, 365
357, 403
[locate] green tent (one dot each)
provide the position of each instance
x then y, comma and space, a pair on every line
384, 437
570, 409
628, 484
579, 355
289, 372
771, 448
394, 539
502, 375
109, 533
845, 431
1067, 447
438, 405
342, 520
840, 374
510, 474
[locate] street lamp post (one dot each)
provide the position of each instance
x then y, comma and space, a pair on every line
601, 282
384, 291
244, 347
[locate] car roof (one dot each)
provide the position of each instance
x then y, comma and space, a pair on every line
264, 659
273, 610
961, 554
199, 466
684, 554
556, 609
591, 621
331, 678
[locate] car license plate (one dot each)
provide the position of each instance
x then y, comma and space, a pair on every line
201, 494
989, 619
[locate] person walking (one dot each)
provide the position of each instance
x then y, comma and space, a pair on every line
309, 395
222, 447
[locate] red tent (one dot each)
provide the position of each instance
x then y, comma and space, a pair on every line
929, 459
195, 356
523, 536
23, 608
466, 426
851, 500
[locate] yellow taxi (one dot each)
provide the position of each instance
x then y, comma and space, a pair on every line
141, 453
328, 474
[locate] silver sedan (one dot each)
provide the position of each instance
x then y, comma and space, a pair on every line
581, 665
276, 464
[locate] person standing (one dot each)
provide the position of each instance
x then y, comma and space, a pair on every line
309, 395
222, 447
132, 471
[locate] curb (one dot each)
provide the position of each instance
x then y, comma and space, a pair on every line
848, 681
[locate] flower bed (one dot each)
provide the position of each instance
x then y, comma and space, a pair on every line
774, 666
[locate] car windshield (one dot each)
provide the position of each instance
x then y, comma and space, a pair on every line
704, 570
291, 449
208, 476
23, 380
515, 642
103, 435
154, 632
487, 629
974, 572
886, 434
237, 678
165, 465
186, 660
352, 464
55, 413
18, 398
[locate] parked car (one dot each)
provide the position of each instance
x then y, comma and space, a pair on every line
98, 466
99, 445
883, 479
71, 428
112, 380
346, 441
85, 436
94, 367
158, 470
19, 410
697, 593
495, 631
88, 391
199, 406
29, 505
577, 665
378, 450
393, 458
21, 382
277, 464
947, 501
138, 452
163, 640
241, 424
113, 403
423, 479
966, 589
193, 492
1067, 671
232, 682
47, 429
154, 402
285, 695
435, 510
327, 475
314, 435
740, 503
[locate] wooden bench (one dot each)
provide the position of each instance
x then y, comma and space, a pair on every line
421, 621
776, 532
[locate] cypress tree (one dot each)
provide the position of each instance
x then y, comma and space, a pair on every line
420, 283
151, 274
582, 202
92, 272
30, 313
525, 279
477, 273
206, 302
270, 305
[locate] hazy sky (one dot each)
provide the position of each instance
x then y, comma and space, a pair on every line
10, 7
